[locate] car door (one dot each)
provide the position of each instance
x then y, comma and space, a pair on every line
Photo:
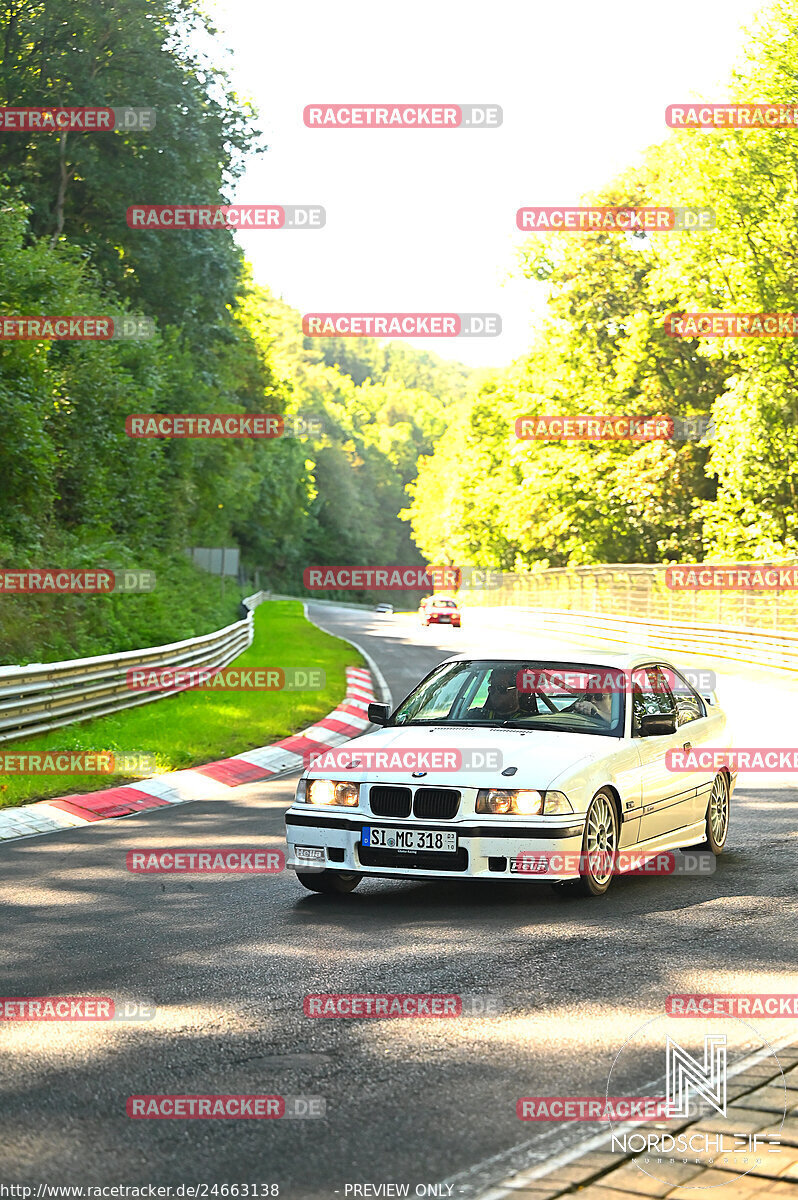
669, 797
700, 728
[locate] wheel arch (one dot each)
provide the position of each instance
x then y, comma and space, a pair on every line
614, 795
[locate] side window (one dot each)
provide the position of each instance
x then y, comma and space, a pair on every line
650, 695
689, 705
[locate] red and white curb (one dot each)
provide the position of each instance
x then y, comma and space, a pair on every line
209, 782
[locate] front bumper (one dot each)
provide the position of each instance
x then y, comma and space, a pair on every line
484, 850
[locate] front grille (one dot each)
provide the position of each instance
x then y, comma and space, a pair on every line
438, 804
390, 801
420, 860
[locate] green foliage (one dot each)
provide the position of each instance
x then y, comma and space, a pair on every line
185, 603
485, 497
79, 185
74, 489
380, 409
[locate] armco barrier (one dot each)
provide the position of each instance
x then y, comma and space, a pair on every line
760, 646
43, 696
640, 591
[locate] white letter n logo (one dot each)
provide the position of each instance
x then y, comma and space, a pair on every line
684, 1073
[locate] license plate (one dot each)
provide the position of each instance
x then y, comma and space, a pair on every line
409, 839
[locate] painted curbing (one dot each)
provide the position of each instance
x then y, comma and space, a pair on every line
208, 782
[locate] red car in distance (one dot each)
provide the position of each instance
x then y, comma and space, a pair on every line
439, 610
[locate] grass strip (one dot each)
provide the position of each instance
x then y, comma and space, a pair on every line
199, 726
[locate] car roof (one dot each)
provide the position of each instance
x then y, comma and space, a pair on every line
620, 662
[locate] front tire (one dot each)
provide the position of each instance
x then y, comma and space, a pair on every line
716, 821
599, 849
331, 883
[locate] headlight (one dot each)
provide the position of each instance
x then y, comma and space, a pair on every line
329, 791
497, 800
500, 801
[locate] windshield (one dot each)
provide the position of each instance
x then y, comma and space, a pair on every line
523, 694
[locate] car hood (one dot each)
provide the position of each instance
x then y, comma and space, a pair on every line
538, 756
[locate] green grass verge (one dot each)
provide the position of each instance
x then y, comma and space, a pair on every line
199, 726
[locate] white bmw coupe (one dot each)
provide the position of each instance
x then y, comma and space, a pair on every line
519, 769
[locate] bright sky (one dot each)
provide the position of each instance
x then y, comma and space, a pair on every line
424, 221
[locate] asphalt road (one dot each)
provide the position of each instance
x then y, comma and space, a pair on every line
227, 961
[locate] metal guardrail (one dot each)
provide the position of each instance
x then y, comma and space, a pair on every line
640, 592
760, 646
44, 696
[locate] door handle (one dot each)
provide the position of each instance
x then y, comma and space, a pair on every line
687, 746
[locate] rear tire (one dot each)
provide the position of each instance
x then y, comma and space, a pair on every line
332, 883
716, 821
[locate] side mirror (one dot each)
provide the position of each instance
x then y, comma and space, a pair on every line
378, 714
657, 724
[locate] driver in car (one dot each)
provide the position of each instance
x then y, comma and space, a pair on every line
594, 704
503, 700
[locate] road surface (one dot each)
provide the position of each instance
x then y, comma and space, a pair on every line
227, 961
